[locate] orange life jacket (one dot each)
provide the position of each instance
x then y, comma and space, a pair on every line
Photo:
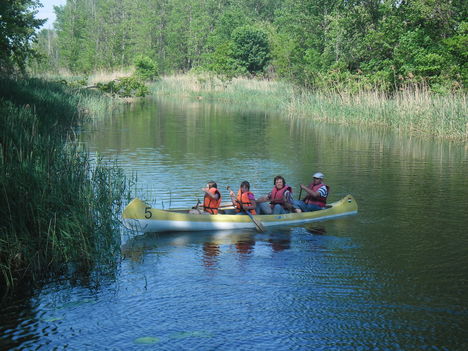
243, 198
277, 195
211, 205
320, 200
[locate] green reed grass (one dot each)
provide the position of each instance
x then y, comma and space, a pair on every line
414, 109
59, 206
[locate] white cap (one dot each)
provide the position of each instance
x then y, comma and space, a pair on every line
319, 175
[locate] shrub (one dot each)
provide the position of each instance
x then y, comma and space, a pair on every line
146, 68
124, 87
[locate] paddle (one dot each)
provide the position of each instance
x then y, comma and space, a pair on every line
258, 224
196, 206
300, 192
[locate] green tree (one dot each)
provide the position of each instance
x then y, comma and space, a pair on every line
46, 48
17, 32
251, 48
73, 36
146, 68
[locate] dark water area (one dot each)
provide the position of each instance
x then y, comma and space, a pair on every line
393, 277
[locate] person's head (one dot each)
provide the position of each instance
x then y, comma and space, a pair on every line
245, 186
211, 184
279, 182
318, 177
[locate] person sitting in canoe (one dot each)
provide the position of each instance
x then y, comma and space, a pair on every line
278, 201
211, 200
245, 200
317, 193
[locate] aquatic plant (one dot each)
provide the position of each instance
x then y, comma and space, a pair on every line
59, 205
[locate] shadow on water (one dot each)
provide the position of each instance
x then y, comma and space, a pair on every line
32, 311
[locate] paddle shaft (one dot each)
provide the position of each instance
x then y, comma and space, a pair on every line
258, 224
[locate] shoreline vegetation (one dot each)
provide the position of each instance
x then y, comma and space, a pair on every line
60, 206
414, 109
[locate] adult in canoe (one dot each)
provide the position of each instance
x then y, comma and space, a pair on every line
316, 198
279, 199
245, 199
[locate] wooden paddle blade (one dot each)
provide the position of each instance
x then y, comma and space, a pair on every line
258, 224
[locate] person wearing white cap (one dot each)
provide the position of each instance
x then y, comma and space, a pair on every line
316, 198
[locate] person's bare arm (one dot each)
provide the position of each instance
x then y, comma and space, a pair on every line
309, 191
252, 206
263, 198
213, 196
233, 197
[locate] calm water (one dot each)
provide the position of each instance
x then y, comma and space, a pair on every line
394, 277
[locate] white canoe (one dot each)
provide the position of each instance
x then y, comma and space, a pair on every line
141, 217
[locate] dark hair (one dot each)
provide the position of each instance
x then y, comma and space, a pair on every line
212, 184
279, 177
246, 184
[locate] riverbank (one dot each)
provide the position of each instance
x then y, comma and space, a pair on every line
414, 110
60, 207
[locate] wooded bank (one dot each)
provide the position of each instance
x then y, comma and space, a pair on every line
321, 44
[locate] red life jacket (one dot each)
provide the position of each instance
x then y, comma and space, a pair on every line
277, 196
243, 198
209, 204
320, 200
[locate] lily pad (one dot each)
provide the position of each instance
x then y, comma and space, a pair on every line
146, 340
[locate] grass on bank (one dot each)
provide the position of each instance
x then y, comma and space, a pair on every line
59, 207
415, 109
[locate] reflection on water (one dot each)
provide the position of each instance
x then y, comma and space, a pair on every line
213, 244
391, 278
316, 229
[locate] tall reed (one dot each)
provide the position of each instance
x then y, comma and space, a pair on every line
414, 109
59, 206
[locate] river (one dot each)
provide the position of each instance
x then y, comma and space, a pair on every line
392, 277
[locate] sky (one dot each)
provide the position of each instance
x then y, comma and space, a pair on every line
47, 11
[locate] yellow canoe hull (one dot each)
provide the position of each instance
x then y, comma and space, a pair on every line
141, 217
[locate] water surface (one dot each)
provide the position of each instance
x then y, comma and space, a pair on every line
393, 277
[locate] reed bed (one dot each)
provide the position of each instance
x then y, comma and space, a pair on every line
414, 109
59, 207
253, 92
106, 76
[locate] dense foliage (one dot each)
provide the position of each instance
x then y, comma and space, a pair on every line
17, 31
124, 87
59, 207
322, 43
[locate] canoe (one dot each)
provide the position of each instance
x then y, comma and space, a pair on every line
141, 217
